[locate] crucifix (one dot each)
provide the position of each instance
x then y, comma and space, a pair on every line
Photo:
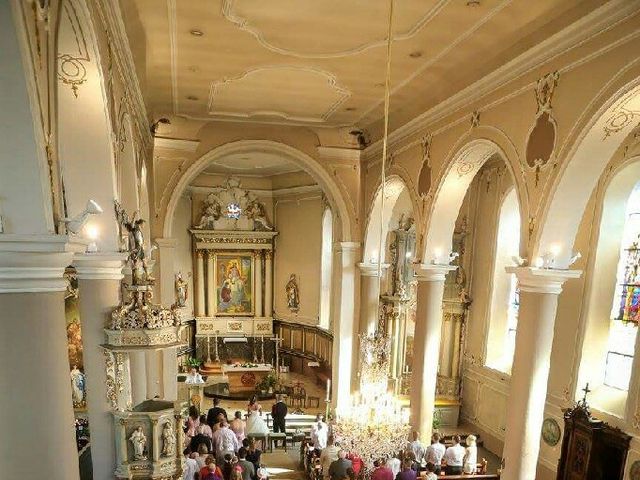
586, 391
277, 341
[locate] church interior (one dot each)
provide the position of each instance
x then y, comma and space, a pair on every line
303, 239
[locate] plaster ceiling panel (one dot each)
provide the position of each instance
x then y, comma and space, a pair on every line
294, 93
262, 164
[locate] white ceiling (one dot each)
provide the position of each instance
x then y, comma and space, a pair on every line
321, 62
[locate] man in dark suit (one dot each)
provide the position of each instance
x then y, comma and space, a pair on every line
213, 413
279, 412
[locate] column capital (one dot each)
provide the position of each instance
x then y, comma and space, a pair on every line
428, 272
371, 269
346, 246
100, 265
542, 280
36, 263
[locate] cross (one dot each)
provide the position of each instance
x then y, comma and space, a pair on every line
586, 391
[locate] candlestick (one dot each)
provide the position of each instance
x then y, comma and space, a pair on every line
217, 358
262, 349
328, 390
208, 349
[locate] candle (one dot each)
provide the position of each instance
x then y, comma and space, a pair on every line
328, 390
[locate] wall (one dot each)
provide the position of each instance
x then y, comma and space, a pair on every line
183, 261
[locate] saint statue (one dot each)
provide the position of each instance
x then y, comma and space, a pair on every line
293, 296
168, 440
77, 386
135, 246
182, 292
139, 442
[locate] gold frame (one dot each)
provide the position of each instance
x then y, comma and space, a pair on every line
251, 281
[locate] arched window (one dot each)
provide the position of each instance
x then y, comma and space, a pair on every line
503, 320
326, 269
624, 312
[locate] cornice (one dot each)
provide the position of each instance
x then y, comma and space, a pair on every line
582, 30
176, 144
542, 280
99, 266
278, 192
340, 153
372, 270
432, 272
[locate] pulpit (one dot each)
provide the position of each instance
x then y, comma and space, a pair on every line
591, 449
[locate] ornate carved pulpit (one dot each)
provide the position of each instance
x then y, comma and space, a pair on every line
591, 449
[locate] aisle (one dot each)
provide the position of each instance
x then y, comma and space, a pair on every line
284, 465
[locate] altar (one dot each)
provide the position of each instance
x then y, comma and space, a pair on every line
245, 379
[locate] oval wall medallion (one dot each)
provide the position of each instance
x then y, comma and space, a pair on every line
541, 142
634, 473
551, 432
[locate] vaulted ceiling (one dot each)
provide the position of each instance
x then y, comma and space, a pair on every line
321, 62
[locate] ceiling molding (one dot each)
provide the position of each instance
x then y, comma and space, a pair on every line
173, 44
580, 31
217, 86
244, 25
340, 153
176, 144
278, 192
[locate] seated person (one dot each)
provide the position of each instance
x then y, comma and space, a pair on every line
407, 472
431, 472
453, 457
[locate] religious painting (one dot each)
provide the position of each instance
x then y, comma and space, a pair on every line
74, 340
234, 284
551, 432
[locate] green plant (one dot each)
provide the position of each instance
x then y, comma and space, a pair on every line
270, 381
193, 362
437, 419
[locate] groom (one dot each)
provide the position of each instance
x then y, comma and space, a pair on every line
279, 412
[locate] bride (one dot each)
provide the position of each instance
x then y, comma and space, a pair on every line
255, 424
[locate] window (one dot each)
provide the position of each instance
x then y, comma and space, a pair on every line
624, 317
326, 269
505, 296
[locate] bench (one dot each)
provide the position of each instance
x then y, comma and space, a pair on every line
274, 437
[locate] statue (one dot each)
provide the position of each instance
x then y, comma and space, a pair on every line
293, 296
182, 290
135, 245
139, 442
211, 211
256, 211
168, 440
77, 386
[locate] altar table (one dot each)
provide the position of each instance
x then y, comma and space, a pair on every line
245, 379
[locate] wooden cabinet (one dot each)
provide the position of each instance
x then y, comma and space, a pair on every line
591, 449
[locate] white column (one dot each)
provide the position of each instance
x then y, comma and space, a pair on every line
345, 324
138, 377
426, 346
200, 312
35, 396
257, 289
99, 277
539, 291
210, 285
268, 283
369, 294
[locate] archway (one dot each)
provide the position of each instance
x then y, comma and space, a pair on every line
598, 141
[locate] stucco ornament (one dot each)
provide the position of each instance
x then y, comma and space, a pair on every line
139, 442
168, 440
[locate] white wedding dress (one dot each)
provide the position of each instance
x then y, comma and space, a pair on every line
255, 423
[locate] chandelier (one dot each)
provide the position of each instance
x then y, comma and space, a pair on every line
374, 425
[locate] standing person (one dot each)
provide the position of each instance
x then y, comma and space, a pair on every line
212, 414
470, 455
328, 456
381, 471
207, 429
227, 466
278, 413
210, 469
395, 465
417, 449
407, 472
193, 422
199, 439
190, 466
194, 376
255, 423
338, 468
225, 441
435, 452
248, 470
238, 426
319, 436
253, 453
453, 457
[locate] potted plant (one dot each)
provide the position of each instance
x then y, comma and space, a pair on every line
268, 383
193, 362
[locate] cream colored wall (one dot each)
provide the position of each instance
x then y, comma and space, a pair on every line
183, 261
298, 246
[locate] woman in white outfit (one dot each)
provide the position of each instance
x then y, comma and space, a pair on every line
471, 455
255, 424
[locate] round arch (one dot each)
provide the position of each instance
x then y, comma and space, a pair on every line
468, 158
596, 144
307, 163
395, 188
84, 134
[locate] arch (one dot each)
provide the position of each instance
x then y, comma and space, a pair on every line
596, 144
452, 187
307, 163
84, 134
395, 188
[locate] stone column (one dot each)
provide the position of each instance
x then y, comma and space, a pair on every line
138, 376
35, 396
369, 295
426, 346
166, 377
345, 327
539, 291
268, 283
99, 276
200, 312
209, 284
257, 292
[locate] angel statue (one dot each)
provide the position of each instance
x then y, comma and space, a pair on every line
168, 440
135, 244
256, 211
293, 296
139, 442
